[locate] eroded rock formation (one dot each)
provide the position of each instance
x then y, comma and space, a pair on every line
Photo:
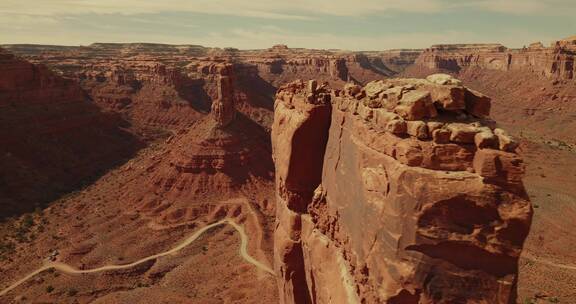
214, 157
556, 61
170, 86
223, 110
401, 191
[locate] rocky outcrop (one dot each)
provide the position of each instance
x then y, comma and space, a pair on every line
216, 156
401, 191
566, 43
223, 110
555, 62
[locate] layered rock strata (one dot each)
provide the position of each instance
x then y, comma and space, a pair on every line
556, 61
401, 191
223, 110
168, 87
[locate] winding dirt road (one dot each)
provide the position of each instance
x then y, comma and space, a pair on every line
65, 268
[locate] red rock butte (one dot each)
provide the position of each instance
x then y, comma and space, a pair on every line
401, 191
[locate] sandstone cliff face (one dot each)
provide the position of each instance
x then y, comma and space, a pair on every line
401, 191
555, 62
52, 139
301, 122
149, 93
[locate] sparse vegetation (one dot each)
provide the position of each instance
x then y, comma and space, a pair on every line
6, 248
23, 228
72, 292
49, 288
535, 301
27, 221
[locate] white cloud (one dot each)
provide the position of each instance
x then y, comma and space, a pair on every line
268, 35
25, 20
278, 9
52, 21
293, 9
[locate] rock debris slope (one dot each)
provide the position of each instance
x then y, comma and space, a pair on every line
401, 191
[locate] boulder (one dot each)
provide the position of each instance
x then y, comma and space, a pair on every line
416, 105
462, 133
418, 129
448, 97
506, 142
477, 103
374, 88
443, 79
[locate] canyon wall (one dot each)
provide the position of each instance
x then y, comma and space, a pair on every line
556, 61
531, 87
52, 139
401, 191
168, 87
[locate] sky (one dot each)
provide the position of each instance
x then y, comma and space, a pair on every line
320, 24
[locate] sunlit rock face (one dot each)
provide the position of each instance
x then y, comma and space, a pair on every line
401, 191
556, 61
223, 110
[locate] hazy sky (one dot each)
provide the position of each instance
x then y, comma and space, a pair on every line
246, 24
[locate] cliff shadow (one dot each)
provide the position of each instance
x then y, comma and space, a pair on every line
365, 63
193, 91
74, 145
259, 92
257, 140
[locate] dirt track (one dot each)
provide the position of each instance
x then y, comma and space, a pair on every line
65, 268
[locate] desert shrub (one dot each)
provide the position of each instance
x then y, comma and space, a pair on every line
72, 292
28, 221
